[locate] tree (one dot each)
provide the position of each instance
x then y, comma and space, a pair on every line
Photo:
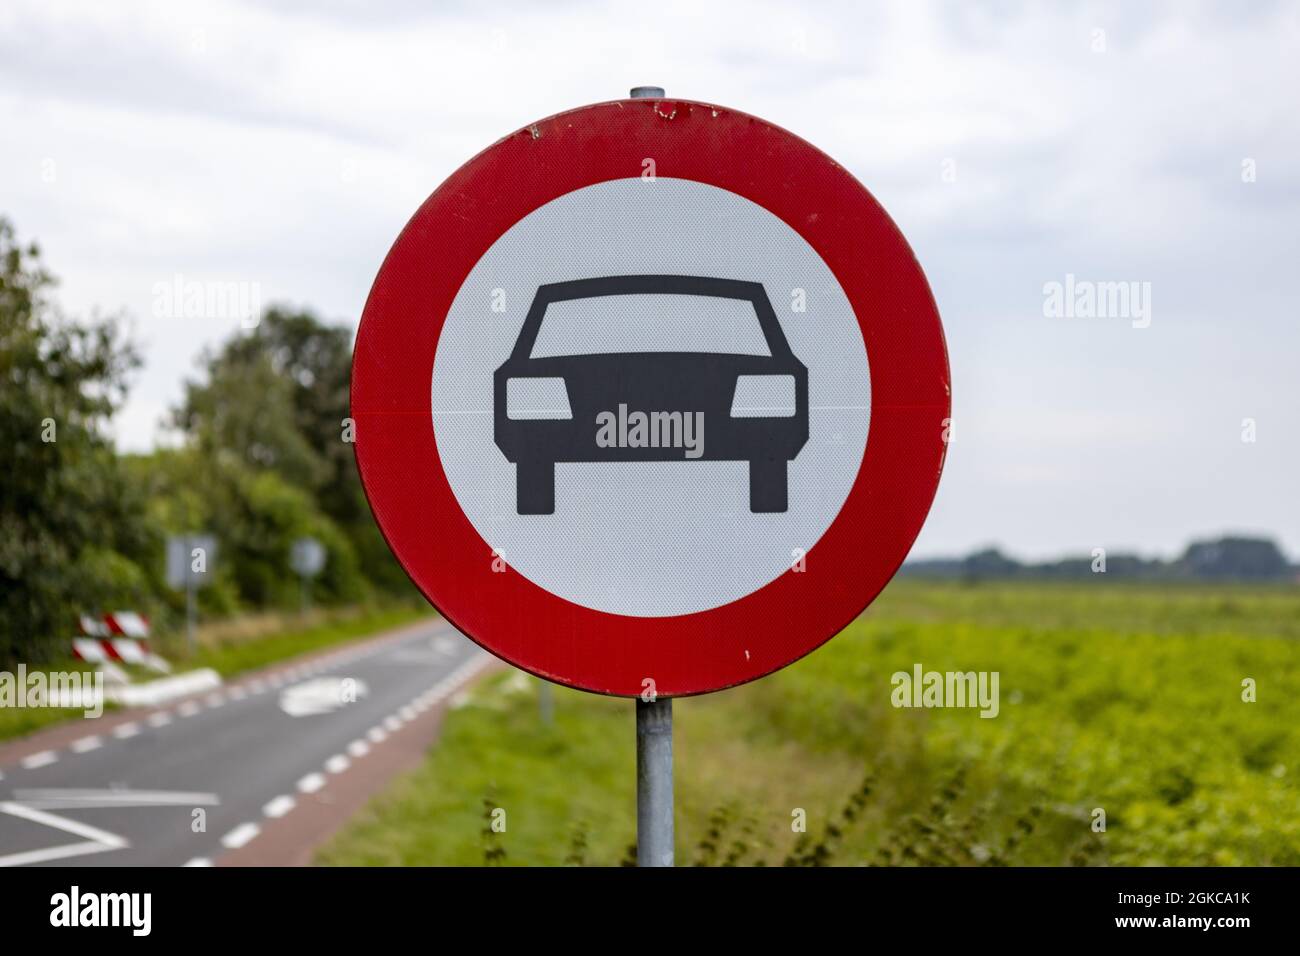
1236, 557
72, 535
244, 412
276, 399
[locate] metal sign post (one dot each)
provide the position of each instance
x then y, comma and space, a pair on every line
654, 737
188, 566
189, 613
654, 782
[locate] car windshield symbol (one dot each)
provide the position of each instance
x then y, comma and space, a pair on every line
739, 398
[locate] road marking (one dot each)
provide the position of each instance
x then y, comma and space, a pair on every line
198, 861
321, 695
311, 783
392, 723
407, 712
237, 693
123, 731
188, 709
256, 686
377, 735
279, 806
241, 835
97, 840
160, 719
214, 700
337, 764
42, 759
68, 798
87, 744
358, 748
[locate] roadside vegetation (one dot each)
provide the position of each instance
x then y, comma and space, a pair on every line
1123, 698
262, 457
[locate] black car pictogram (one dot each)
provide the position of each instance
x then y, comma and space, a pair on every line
699, 397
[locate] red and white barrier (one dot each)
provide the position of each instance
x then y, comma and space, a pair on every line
89, 650
119, 636
127, 624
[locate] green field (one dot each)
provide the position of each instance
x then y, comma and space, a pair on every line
1124, 698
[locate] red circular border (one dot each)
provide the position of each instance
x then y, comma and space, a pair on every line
610, 653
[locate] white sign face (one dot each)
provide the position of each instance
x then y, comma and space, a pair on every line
190, 559
307, 557
712, 367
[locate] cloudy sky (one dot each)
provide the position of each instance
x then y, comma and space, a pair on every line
285, 144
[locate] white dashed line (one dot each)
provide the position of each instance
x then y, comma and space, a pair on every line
377, 735
214, 700
123, 731
392, 723
160, 719
311, 783
199, 861
42, 759
188, 709
337, 764
240, 836
237, 693
87, 744
279, 806
358, 748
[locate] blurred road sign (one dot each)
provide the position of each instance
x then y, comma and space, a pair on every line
651, 398
190, 560
307, 557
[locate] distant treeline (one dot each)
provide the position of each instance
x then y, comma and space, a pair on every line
1223, 559
265, 457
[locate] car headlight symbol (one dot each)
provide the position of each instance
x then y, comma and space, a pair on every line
537, 398
763, 396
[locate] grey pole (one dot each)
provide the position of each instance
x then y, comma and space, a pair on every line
654, 739
189, 602
654, 782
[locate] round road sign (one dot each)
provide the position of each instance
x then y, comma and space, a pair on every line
650, 397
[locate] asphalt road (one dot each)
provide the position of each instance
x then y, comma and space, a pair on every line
236, 759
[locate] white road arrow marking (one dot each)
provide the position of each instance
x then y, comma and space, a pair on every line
97, 840
321, 695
